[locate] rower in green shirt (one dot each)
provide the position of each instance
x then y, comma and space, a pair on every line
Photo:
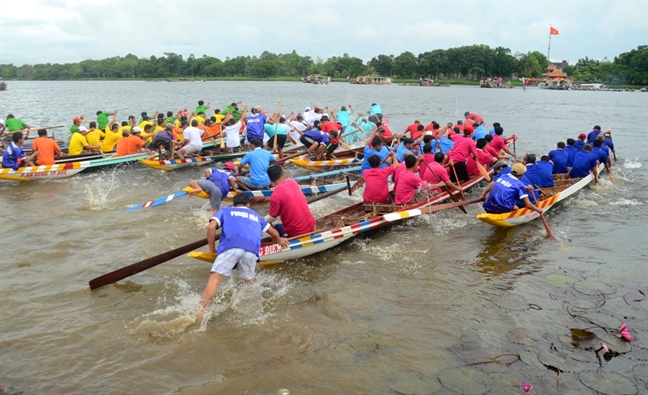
12, 124
202, 108
236, 113
102, 118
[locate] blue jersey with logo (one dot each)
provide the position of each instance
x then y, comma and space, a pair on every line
583, 163
505, 194
241, 227
560, 158
220, 178
254, 125
13, 156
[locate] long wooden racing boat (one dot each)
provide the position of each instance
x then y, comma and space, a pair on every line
352, 157
564, 188
342, 225
44, 172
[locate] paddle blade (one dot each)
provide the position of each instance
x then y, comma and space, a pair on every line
483, 171
13, 178
138, 267
158, 201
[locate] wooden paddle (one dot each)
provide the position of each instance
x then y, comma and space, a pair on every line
544, 221
457, 180
274, 144
146, 264
32, 128
452, 196
483, 171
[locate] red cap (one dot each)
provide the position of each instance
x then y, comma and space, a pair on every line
582, 136
469, 128
229, 166
76, 119
317, 109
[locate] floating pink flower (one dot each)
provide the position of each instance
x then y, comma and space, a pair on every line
625, 332
605, 347
527, 387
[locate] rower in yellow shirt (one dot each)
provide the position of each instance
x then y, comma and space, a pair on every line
113, 134
94, 135
79, 144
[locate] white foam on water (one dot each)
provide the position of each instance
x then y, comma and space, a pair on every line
98, 190
632, 163
239, 305
626, 202
583, 203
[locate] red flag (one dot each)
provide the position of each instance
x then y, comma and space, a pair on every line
553, 31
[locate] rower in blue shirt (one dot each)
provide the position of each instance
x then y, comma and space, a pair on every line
571, 152
374, 146
560, 158
505, 193
404, 147
584, 163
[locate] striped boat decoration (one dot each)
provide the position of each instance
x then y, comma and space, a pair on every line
161, 200
173, 164
61, 170
311, 244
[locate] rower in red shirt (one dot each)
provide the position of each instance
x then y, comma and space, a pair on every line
463, 148
407, 182
415, 130
498, 141
474, 117
492, 151
436, 173
482, 156
376, 180
288, 202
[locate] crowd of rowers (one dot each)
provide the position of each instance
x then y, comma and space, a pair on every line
430, 156
182, 134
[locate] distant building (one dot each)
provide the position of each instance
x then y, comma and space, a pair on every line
559, 65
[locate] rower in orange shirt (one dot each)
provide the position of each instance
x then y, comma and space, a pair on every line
48, 149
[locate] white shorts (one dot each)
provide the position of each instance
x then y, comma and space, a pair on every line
226, 261
191, 149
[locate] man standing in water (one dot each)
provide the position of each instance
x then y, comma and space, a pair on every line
240, 242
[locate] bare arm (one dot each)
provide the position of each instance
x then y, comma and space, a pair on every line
276, 237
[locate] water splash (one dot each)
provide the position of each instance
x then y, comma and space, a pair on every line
234, 305
98, 190
626, 202
632, 163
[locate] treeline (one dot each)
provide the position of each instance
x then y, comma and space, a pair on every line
467, 62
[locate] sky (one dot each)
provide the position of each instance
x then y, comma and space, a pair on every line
34, 32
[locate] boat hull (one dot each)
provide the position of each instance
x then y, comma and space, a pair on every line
173, 164
45, 172
524, 215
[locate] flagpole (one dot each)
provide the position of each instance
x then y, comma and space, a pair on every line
549, 49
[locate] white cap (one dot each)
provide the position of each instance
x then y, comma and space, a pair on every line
429, 133
2, 121
136, 129
307, 109
83, 129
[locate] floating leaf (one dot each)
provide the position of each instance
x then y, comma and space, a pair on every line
641, 372
371, 341
616, 273
511, 302
522, 336
584, 339
559, 362
560, 280
465, 380
608, 383
505, 378
603, 319
615, 344
410, 383
531, 358
582, 304
589, 287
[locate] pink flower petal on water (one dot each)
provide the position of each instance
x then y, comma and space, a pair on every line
623, 331
605, 347
527, 387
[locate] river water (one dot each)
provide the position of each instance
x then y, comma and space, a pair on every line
431, 294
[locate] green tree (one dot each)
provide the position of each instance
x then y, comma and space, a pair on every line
382, 64
405, 65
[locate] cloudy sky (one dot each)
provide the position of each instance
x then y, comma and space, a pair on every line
70, 31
